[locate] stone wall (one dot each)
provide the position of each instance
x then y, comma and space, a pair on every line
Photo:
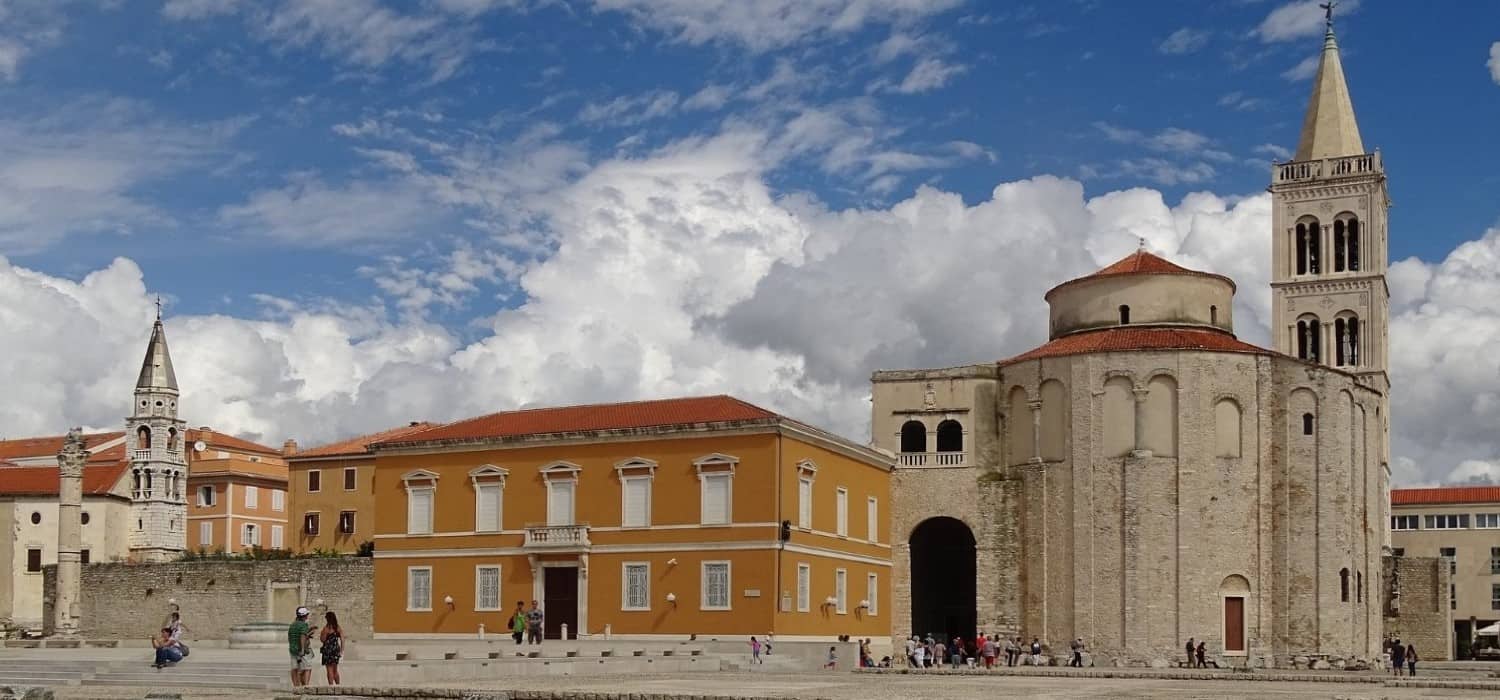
129, 601
1417, 604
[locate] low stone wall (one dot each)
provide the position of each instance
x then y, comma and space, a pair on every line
129, 601
1417, 607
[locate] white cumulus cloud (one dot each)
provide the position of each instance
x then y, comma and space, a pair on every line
1494, 62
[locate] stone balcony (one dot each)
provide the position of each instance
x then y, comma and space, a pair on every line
918, 460
1327, 168
174, 456
557, 538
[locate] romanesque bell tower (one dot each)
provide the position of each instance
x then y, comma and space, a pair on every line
158, 505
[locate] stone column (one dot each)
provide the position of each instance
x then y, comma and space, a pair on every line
1140, 423
69, 532
1036, 431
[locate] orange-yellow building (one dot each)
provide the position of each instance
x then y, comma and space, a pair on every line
705, 516
236, 494
333, 494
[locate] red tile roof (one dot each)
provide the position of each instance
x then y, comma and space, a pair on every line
229, 442
42, 481
1445, 494
1123, 338
360, 445
1141, 263
614, 416
48, 446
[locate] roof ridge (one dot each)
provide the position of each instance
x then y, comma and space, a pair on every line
597, 404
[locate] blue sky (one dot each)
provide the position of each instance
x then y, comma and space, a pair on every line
443, 180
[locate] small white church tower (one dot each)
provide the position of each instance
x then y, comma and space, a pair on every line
154, 436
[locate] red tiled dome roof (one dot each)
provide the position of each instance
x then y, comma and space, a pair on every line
1141, 263
1125, 338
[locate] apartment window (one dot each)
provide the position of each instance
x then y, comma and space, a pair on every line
635, 507
205, 534
1495, 596
560, 501
1404, 522
1495, 561
310, 523
872, 593
487, 507
419, 511
278, 500
804, 503
486, 588
252, 497
872, 520
418, 589
351, 478
804, 586
715, 586
277, 537
636, 589
250, 535
841, 511
1450, 521
716, 499
1487, 521
314, 480
841, 591
346, 522
33, 560
206, 496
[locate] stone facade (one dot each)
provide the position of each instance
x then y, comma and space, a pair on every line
1417, 604
129, 601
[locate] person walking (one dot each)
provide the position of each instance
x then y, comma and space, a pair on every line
1189, 647
534, 620
1202, 651
518, 622
166, 649
919, 657
1036, 652
939, 654
331, 647
755, 651
1398, 657
299, 639
1077, 647
833, 658
1411, 660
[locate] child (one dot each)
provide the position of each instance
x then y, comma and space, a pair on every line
755, 651
833, 658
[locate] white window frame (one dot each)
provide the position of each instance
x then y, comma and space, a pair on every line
212, 499
206, 533
1486, 521
489, 476
872, 520
841, 511
345, 475
562, 473
625, 500
278, 537
252, 496
310, 474
1399, 520
249, 535
278, 500
479, 605
807, 474
841, 591
318, 518
625, 568
410, 589
872, 593
1446, 521
703, 603
424, 482
804, 587
710, 467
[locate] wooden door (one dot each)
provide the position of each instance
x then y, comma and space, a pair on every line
560, 601
1234, 623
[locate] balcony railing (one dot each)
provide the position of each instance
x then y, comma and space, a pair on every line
1347, 166
142, 455
147, 455
557, 537
932, 459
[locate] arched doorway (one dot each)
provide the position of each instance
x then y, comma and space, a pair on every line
942, 579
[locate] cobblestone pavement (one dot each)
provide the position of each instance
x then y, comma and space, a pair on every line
849, 686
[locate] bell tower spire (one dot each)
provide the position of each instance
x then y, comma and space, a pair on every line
154, 435
1329, 129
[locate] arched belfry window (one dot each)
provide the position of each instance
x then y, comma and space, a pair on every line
143, 438
950, 436
1124, 314
913, 436
1352, 243
1338, 245
1346, 339
1309, 236
1309, 335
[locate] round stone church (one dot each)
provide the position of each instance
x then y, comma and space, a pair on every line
1145, 477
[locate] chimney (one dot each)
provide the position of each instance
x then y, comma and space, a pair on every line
414, 424
289, 447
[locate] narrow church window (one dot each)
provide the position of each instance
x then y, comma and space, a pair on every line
1307, 424
1124, 314
1314, 247
1344, 585
1359, 586
1338, 245
1301, 249
1213, 315
1338, 332
1353, 243
172, 439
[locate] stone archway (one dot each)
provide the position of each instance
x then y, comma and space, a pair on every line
943, 576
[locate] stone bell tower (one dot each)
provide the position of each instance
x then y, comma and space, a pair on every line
154, 438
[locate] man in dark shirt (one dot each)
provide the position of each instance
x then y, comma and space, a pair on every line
534, 624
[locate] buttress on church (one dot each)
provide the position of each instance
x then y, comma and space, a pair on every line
1145, 477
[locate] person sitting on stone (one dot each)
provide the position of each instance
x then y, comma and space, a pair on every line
167, 651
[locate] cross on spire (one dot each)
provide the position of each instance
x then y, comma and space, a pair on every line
1328, 11
158, 307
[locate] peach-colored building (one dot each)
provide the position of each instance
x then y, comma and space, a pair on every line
333, 492
237, 496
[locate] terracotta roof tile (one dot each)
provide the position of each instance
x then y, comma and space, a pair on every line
1140, 263
215, 438
614, 416
49, 445
1124, 338
42, 481
1445, 494
360, 445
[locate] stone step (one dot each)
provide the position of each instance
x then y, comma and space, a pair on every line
9, 679
42, 673
194, 682
175, 678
